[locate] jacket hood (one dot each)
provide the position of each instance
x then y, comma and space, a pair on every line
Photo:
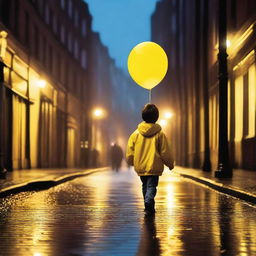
148, 129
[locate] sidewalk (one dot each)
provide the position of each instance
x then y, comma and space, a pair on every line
242, 185
37, 179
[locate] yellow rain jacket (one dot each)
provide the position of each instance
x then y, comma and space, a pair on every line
148, 150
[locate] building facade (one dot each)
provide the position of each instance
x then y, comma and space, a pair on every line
188, 30
57, 72
46, 85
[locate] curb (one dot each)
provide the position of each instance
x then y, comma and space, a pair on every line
234, 192
37, 185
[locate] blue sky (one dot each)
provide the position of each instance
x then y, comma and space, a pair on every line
122, 24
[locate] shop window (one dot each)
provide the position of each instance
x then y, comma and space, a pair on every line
19, 127
239, 108
213, 121
20, 67
71, 147
251, 100
19, 84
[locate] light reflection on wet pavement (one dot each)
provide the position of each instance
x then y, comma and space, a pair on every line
102, 214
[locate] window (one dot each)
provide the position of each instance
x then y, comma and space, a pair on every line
36, 42
47, 14
239, 108
62, 34
70, 43
70, 8
40, 6
44, 49
174, 24
76, 18
27, 30
50, 58
84, 59
62, 4
251, 100
55, 24
76, 50
84, 27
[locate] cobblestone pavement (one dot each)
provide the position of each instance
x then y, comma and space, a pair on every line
102, 214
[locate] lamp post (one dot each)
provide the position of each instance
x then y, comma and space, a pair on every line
224, 170
97, 114
3, 45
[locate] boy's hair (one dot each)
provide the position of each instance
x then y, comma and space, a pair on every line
150, 113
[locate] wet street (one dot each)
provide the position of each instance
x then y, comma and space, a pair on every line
102, 214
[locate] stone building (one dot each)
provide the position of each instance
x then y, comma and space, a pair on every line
46, 82
188, 30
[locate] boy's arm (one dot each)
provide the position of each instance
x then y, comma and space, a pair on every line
165, 152
130, 150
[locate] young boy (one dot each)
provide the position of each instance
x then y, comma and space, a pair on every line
148, 151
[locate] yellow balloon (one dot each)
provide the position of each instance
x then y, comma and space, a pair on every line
147, 64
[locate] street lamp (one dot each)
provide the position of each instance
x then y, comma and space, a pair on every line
41, 83
224, 170
98, 114
3, 46
168, 115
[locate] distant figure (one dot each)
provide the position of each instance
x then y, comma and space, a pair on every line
148, 151
116, 157
95, 157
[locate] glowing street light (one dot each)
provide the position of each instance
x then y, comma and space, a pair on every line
228, 43
99, 113
168, 115
41, 83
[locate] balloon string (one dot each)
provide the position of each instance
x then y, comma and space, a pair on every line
150, 96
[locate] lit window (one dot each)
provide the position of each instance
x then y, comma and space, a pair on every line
251, 100
84, 27
84, 59
239, 108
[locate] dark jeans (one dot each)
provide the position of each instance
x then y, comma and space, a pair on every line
149, 184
